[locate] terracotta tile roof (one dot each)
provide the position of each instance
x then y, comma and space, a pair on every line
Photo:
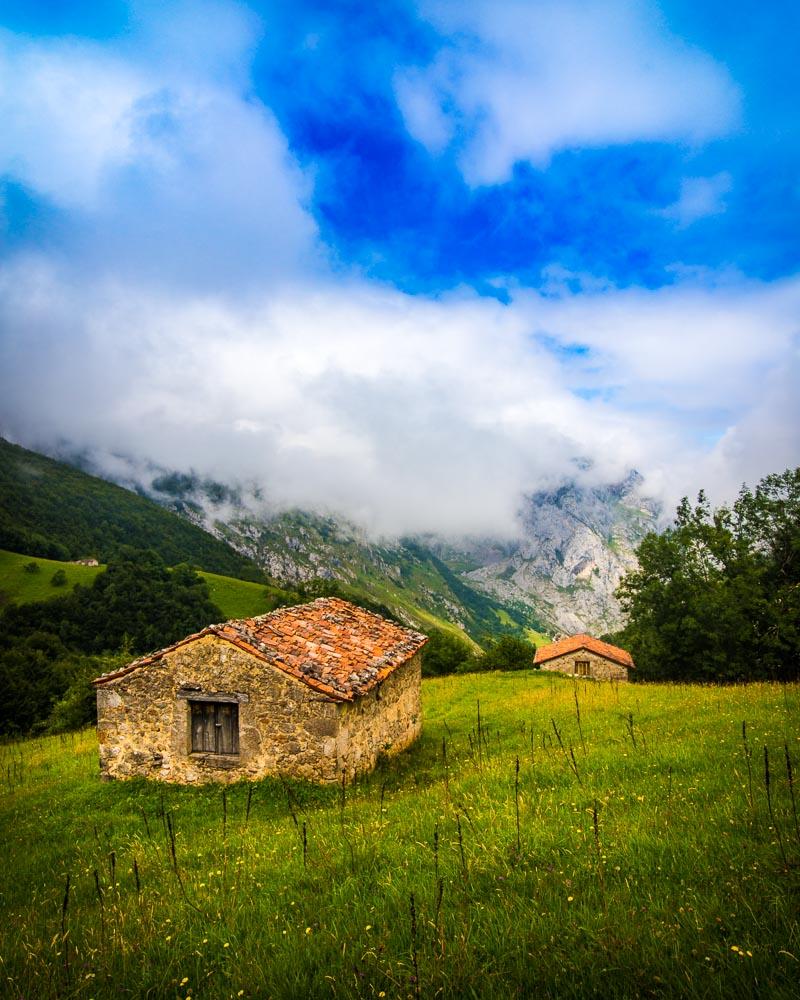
573, 643
333, 646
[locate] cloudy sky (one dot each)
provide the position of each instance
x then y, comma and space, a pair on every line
405, 261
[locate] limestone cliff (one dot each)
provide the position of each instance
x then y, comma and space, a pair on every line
575, 545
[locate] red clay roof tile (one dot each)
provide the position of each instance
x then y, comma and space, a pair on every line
331, 645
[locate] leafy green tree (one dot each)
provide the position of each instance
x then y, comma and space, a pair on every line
715, 596
444, 653
135, 606
508, 653
58, 579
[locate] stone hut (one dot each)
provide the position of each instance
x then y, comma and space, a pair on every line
315, 691
584, 656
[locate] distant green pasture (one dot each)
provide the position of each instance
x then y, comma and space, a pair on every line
19, 586
239, 598
235, 598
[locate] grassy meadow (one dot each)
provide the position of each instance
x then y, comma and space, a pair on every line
18, 586
240, 598
236, 598
544, 838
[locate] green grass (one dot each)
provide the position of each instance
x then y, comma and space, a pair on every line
239, 598
684, 888
235, 598
20, 587
537, 638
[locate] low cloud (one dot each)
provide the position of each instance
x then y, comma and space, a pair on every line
407, 414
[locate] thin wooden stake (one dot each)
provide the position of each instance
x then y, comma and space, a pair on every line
414, 947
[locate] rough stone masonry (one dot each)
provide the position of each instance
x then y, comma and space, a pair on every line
316, 691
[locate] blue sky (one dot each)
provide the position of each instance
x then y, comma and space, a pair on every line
407, 261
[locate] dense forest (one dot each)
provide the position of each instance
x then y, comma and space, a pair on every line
52, 510
716, 596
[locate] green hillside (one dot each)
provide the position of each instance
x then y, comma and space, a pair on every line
488, 861
21, 585
242, 599
53, 510
406, 577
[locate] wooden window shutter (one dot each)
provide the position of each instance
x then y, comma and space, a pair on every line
215, 727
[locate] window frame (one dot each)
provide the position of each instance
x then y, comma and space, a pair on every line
212, 711
583, 668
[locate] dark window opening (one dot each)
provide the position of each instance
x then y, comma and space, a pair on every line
582, 668
215, 726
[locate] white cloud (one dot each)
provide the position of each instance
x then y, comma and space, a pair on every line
166, 165
65, 108
522, 80
187, 319
699, 198
405, 413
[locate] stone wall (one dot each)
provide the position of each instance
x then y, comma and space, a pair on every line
285, 727
599, 667
386, 720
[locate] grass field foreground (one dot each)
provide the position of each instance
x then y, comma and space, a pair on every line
544, 838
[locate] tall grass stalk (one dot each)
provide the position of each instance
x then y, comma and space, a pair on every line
790, 780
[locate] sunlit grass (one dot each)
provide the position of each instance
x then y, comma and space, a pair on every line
20, 586
647, 863
240, 598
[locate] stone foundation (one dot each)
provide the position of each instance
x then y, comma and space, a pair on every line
284, 726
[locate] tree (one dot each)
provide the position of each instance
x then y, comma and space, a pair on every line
445, 653
508, 653
715, 596
135, 606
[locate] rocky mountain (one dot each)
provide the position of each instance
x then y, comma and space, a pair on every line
558, 575
575, 545
296, 547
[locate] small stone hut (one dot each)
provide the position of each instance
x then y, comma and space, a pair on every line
315, 691
584, 656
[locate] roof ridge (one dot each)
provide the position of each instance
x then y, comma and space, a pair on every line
343, 656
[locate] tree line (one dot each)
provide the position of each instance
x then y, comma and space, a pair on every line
716, 596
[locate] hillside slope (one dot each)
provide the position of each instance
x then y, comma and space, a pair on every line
295, 547
50, 509
560, 573
19, 584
